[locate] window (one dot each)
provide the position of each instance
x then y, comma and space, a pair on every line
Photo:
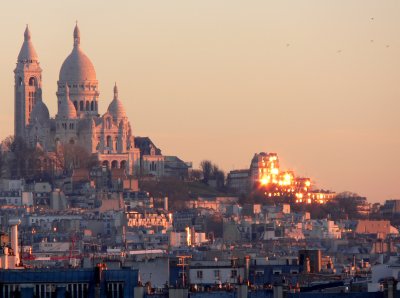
233, 273
31, 100
216, 274
259, 273
76, 105
199, 274
78, 290
32, 81
276, 271
115, 289
87, 106
109, 141
81, 105
92, 106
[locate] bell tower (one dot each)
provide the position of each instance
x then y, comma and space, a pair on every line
28, 83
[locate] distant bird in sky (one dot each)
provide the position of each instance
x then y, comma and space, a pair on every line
288, 44
371, 40
339, 51
372, 19
388, 45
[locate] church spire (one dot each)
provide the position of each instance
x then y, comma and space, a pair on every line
77, 35
27, 52
27, 34
28, 81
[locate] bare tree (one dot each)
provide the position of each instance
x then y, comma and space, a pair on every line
195, 175
206, 167
72, 156
212, 171
20, 156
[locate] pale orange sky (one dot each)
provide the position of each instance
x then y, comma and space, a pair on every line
315, 81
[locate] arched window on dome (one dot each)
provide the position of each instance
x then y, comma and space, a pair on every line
81, 105
76, 105
109, 141
87, 105
92, 106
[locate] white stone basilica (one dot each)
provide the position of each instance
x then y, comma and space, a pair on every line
109, 136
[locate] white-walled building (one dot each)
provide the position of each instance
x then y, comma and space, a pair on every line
214, 272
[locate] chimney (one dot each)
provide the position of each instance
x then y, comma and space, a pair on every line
14, 238
166, 203
246, 268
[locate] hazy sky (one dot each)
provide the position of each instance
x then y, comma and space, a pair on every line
318, 82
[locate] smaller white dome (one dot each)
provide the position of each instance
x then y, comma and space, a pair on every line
116, 108
40, 112
66, 108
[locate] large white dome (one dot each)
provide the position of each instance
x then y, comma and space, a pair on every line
77, 66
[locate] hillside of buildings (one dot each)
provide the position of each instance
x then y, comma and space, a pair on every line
20, 161
260, 226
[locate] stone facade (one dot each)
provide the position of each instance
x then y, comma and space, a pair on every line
108, 136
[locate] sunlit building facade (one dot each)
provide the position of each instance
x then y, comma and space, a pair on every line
267, 176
